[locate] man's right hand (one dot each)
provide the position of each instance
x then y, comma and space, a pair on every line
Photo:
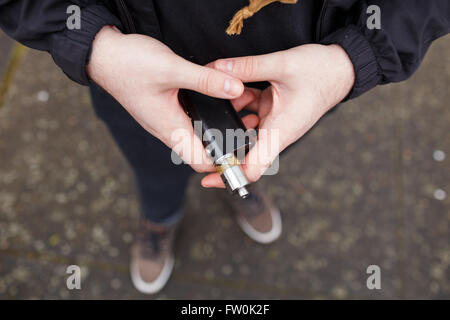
144, 76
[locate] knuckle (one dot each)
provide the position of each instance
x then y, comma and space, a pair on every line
253, 173
200, 169
253, 176
249, 66
218, 63
205, 81
196, 169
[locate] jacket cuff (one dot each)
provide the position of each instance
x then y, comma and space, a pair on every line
71, 48
367, 71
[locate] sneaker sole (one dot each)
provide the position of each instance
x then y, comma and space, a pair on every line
158, 284
263, 237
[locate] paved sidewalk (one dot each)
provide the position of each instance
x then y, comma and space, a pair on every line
361, 189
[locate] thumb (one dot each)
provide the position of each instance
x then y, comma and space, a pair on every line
207, 81
265, 67
263, 154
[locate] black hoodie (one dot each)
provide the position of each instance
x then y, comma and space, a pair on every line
195, 29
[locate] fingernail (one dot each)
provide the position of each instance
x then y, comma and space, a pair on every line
225, 65
232, 87
205, 185
227, 86
229, 66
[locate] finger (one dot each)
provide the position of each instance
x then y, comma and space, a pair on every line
193, 153
252, 68
187, 145
208, 81
250, 121
256, 92
254, 105
246, 98
249, 100
213, 180
261, 156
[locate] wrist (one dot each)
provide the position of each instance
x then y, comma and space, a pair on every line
344, 72
102, 46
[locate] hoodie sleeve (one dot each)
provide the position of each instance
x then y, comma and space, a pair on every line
42, 25
395, 51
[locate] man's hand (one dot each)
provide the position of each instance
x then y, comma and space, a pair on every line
144, 76
306, 82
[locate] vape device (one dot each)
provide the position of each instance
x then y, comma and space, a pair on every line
223, 135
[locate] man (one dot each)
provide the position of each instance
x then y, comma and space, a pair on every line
304, 56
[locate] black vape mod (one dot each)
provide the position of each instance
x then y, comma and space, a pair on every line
223, 135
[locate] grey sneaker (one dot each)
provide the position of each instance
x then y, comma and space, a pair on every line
257, 216
152, 257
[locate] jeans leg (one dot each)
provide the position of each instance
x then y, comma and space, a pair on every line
161, 183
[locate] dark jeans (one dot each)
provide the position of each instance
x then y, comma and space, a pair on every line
161, 183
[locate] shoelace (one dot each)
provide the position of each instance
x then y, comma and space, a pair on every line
153, 243
237, 23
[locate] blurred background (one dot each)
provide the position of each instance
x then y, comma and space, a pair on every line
369, 186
